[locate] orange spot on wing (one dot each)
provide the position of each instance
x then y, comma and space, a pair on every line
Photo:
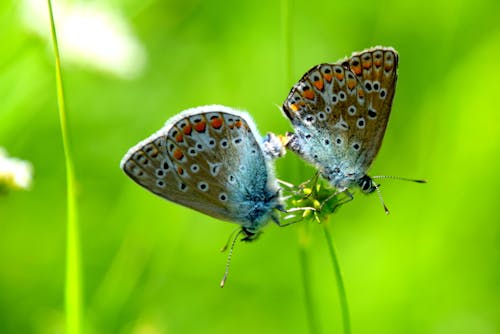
378, 62
294, 107
216, 123
388, 68
238, 123
318, 84
178, 154
187, 129
356, 69
308, 94
200, 126
339, 76
328, 77
180, 170
179, 138
367, 64
360, 92
351, 84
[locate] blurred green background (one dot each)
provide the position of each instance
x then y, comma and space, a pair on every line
150, 266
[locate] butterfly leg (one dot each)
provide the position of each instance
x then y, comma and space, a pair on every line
286, 184
226, 245
291, 216
289, 188
349, 198
311, 183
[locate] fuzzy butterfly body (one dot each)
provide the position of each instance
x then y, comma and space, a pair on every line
340, 112
213, 160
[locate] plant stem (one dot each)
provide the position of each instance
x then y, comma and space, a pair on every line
72, 284
306, 280
344, 308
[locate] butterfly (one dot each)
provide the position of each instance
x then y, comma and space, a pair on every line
213, 160
340, 113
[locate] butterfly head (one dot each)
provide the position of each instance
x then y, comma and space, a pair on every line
343, 179
366, 184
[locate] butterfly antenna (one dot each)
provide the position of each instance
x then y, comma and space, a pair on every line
228, 262
224, 248
398, 178
379, 193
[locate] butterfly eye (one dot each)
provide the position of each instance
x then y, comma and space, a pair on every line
365, 185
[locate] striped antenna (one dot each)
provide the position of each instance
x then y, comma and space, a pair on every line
397, 178
228, 262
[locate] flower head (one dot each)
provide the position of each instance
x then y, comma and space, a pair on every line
14, 173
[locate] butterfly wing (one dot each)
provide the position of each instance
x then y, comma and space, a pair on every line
208, 159
340, 111
376, 72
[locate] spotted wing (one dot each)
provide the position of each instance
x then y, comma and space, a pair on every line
340, 111
204, 158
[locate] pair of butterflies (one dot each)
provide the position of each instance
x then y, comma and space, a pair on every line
212, 158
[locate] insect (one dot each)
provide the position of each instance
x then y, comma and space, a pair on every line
210, 159
340, 112
213, 160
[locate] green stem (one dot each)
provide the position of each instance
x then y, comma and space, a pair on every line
73, 284
344, 308
306, 280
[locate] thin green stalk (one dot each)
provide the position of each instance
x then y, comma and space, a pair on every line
344, 308
306, 280
73, 284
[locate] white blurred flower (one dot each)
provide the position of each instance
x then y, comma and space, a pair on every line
89, 34
14, 173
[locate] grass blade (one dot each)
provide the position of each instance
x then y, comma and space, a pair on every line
344, 308
73, 283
